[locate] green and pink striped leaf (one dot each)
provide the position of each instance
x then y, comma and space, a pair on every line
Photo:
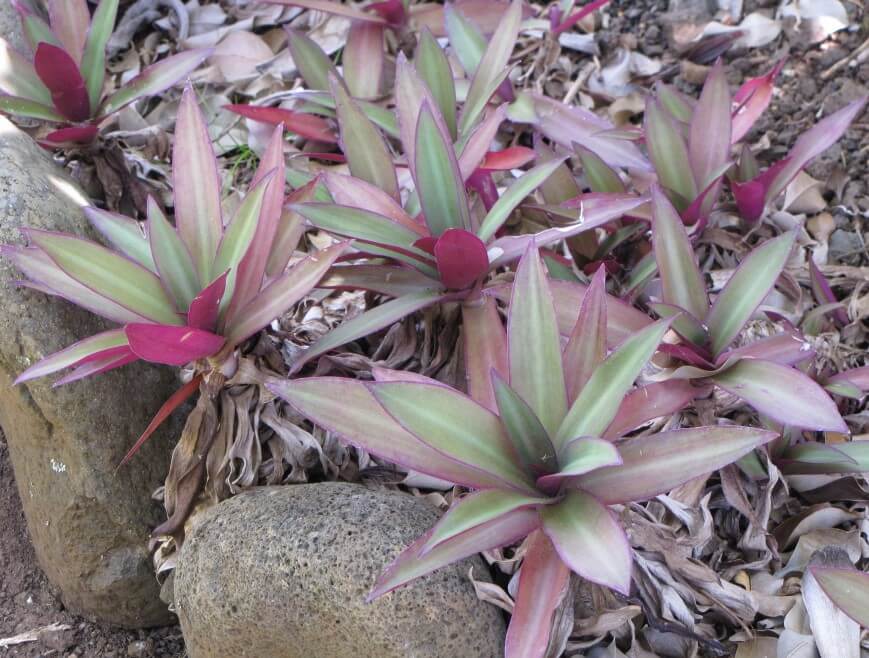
105, 345
586, 347
543, 583
655, 464
108, 275
536, 370
349, 409
411, 564
367, 153
280, 295
154, 80
93, 61
456, 426
598, 402
196, 182
363, 59
589, 540
782, 393
746, 289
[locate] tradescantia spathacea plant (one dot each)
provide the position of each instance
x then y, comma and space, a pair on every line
61, 81
188, 293
537, 463
438, 235
761, 373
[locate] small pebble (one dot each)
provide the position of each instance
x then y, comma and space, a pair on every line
139, 649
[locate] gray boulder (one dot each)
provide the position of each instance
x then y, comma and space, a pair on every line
89, 523
284, 571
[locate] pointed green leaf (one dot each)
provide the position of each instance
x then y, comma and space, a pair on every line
314, 64
782, 393
172, 259
23, 107
372, 320
124, 233
93, 62
668, 151
433, 67
524, 429
467, 42
600, 176
586, 347
536, 371
107, 342
279, 296
347, 408
357, 223
239, 233
492, 70
655, 464
476, 509
746, 289
367, 154
680, 275
197, 186
599, 400
438, 181
456, 426
109, 275
155, 79
504, 530
589, 540
582, 456
709, 139
514, 195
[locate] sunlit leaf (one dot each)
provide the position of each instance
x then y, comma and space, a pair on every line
108, 274
93, 61
125, 234
513, 196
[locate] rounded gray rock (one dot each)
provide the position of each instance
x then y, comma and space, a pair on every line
89, 521
284, 572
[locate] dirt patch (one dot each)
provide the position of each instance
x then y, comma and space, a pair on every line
27, 602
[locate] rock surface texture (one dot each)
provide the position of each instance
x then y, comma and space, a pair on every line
89, 523
284, 571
